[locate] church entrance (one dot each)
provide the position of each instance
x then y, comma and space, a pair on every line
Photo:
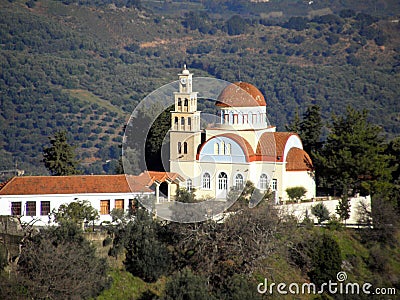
222, 186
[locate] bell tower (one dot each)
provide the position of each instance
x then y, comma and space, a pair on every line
185, 132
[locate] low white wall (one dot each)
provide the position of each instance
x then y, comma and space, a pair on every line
300, 210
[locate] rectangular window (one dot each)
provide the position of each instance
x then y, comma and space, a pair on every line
206, 181
44, 208
274, 184
104, 207
119, 203
189, 185
15, 208
31, 208
245, 119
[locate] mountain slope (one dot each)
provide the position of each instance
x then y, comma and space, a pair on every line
84, 68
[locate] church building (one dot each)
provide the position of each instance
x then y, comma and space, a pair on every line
240, 146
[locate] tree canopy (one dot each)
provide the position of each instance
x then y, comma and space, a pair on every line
59, 157
353, 159
59, 263
76, 212
321, 212
146, 256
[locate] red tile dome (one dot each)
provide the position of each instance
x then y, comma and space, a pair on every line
298, 160
240, 94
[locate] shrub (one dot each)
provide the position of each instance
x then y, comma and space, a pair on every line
326, 259
321, 212
296, 193
186, 285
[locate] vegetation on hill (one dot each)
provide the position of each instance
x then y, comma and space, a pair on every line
57, 263
83, 66
205, 260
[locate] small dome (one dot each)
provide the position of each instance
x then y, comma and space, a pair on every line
298, 160
185, 71
240, 94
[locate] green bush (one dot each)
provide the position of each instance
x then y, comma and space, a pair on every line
296, 193
326, 259
185, 285
321, 212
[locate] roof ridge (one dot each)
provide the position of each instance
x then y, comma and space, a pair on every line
4, 183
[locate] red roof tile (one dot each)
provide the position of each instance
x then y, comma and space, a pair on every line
240, 94
148, 177
298, 160
77, 184
271, 146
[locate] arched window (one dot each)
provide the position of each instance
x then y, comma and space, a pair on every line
222, 181
222, 148
182, 121
228, 149
186, 102
226, 118
206, 181
179, 102
189, 185
239, 181
179, 148
185, 148
263, 182
189, 121
216, 148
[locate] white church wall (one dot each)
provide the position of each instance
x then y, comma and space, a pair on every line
258, 168
299, 178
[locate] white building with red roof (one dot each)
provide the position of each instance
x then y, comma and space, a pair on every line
35, 197
240, 146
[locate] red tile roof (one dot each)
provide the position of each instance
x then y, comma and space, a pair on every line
240, 94
77, 184
149, 177
298, 160
271, 146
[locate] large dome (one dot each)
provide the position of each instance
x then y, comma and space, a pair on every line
240, 94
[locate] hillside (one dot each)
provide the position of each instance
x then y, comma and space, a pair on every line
84, 68
272, 8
